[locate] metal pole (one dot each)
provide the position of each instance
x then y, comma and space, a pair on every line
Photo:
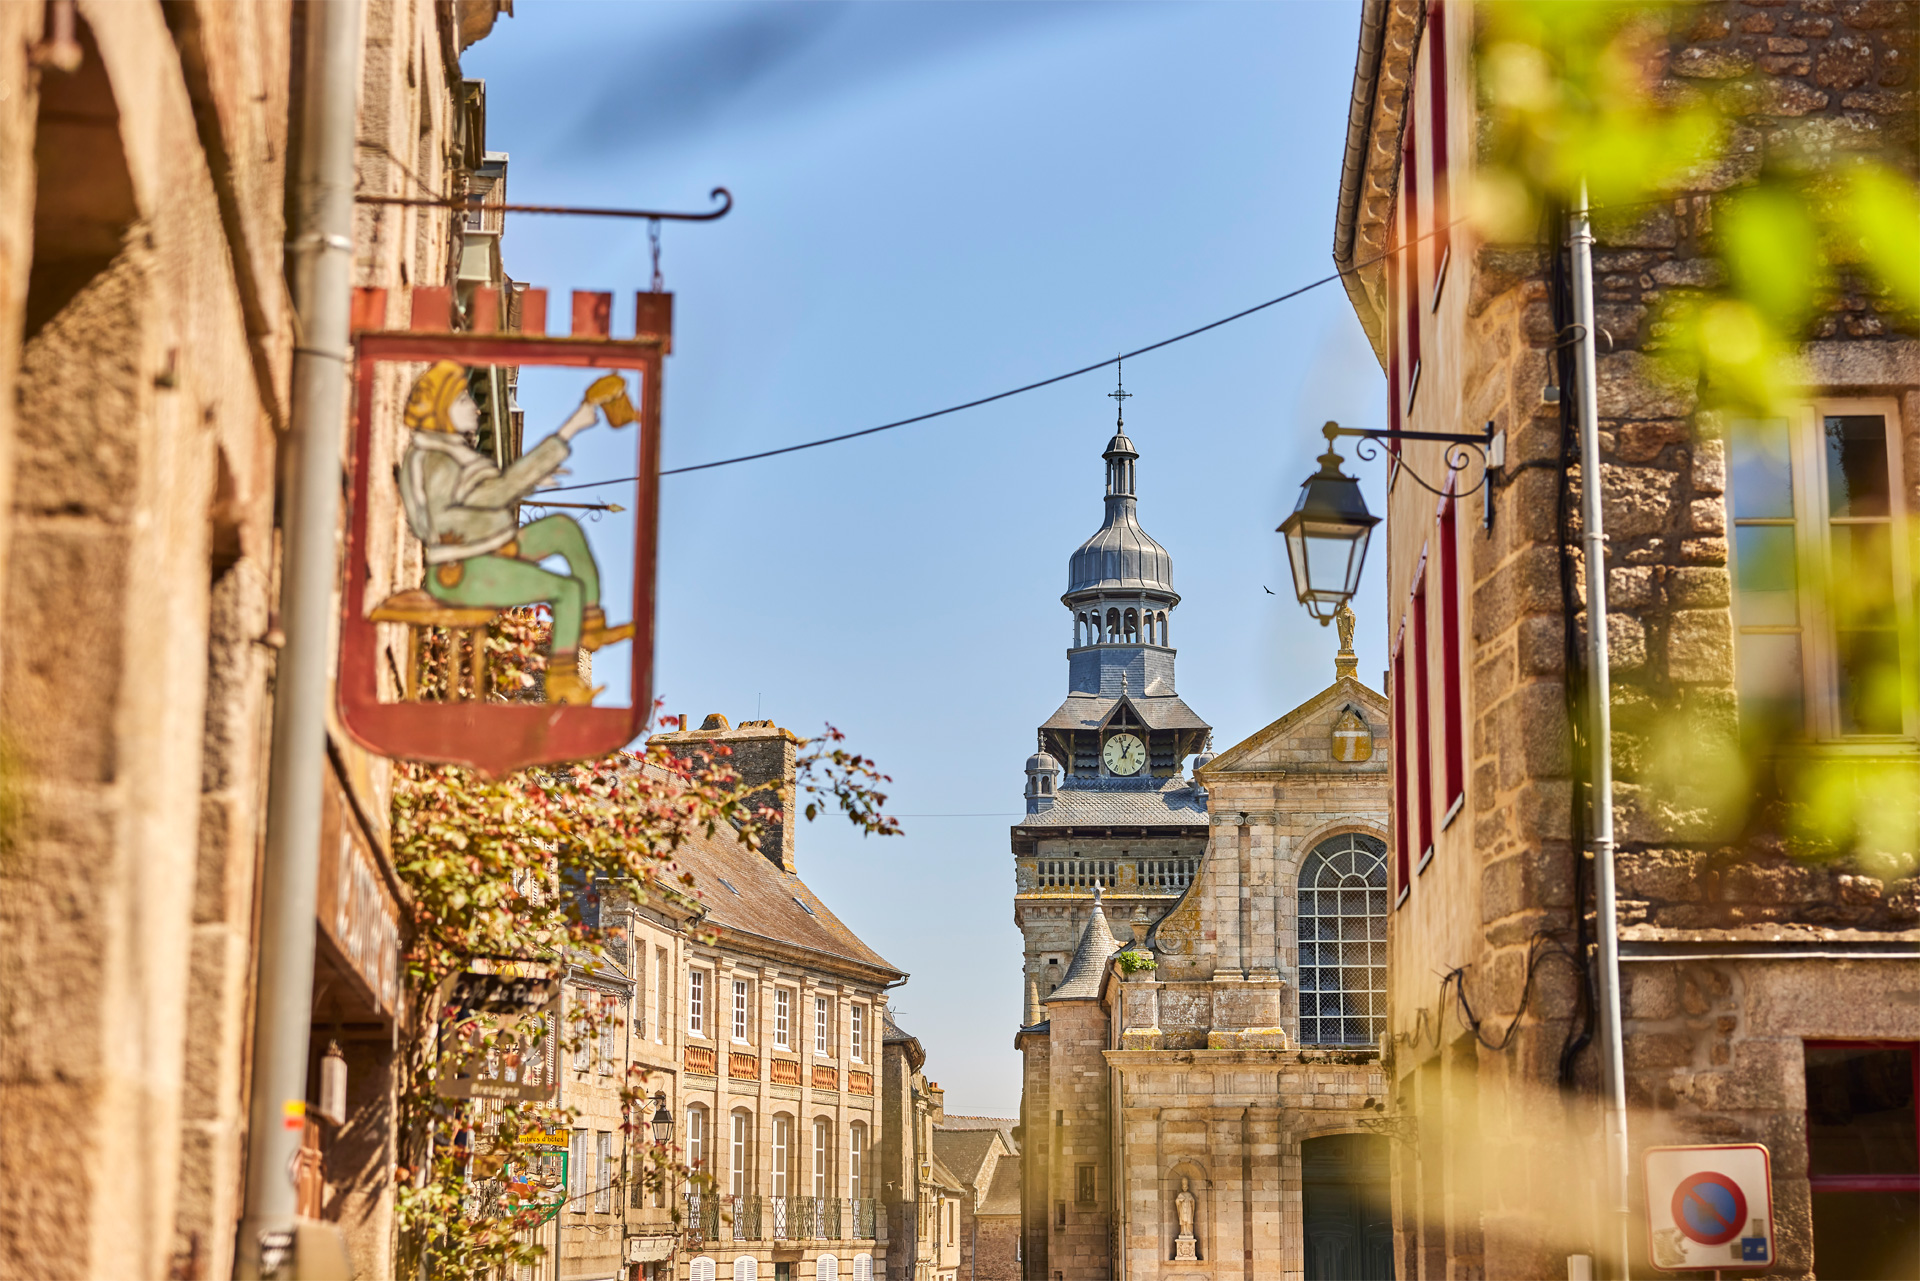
320, 270
1614, 1233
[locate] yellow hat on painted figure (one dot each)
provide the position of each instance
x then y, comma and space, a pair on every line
433, 395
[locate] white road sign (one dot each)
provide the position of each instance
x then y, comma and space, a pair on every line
1710, 1207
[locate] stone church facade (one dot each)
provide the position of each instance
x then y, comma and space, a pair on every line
1205, 959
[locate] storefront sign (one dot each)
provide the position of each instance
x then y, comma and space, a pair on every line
355, 910
438, 428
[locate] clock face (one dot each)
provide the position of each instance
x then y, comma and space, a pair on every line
1124, 754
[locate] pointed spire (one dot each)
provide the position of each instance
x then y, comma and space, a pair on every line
1120, 396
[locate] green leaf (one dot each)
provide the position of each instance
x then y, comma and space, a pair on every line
1882, 215
1773, 253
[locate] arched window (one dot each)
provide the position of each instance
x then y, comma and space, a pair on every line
1343, 942
822, 1157
862, 1268
826, 1268
746, 1268
1161, 618
782, 1152
696, 1136
1113, 625
701, 1269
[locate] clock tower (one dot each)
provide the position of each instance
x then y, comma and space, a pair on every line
1112, 837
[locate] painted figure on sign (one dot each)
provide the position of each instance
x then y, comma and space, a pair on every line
463, 508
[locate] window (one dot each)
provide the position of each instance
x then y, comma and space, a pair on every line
1819, 557
1436, 40
603, 1172
822, 1155
1402, 709
856, 1160
1453, 731
609, 1034
740, 1011
696, 1136
1343, 942
782, 1148
1083, 1184
737, 1180
577, 1172
660, 989
1863, 1157
826, 1268
857, 1028
822, 1045
701, 1269
746, 1268
1422, 694
697, 1002
863, 1267
782, 1019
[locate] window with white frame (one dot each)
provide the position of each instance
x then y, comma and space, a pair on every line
661, 988
856, 1160
609, 1034
577, 1173
857, 1030
697, 1002
782, 1019
782, 1152
1342, 919
823, 1026
822, 1156
1821, 575
738, 1182
603, 1172
740, 1009
696, 1136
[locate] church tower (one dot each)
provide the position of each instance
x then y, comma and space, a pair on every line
1113, 834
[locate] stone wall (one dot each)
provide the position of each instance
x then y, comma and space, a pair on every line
1077, 1129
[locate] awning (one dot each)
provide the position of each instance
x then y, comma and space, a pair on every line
649, 1249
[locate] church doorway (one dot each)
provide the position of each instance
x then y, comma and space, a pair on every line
1348, 1229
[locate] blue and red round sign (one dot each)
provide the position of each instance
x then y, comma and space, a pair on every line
1709, 1208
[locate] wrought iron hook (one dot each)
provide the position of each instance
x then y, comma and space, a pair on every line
471, 205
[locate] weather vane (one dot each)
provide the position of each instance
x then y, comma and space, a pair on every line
1120, 396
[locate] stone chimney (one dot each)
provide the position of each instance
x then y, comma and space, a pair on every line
764, 756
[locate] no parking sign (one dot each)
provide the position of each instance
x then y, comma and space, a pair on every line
1709, 1207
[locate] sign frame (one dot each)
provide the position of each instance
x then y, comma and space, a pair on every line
494, 738
1667, 1175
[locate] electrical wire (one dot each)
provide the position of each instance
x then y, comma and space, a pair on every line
1016, 391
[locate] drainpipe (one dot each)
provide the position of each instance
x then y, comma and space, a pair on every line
1615, 1226
320, 271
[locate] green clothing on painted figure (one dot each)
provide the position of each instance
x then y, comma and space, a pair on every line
504, 581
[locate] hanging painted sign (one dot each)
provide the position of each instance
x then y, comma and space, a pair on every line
441, 431
515, 1006
1709, 1207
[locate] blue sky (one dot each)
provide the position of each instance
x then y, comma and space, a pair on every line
937, 202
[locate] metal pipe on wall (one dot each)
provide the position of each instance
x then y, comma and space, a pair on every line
320, 272
1615, 1197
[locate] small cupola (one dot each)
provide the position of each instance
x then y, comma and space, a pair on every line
1043, 771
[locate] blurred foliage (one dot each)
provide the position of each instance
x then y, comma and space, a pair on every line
1793, 214
514, 868
1582, 92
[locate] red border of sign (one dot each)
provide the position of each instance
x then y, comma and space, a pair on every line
1773, 1231
496, 738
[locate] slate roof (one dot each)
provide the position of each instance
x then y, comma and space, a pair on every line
1120, 556
1089, 964
892, 1033
1004, 1196
1004, 1124
1158, 711
744, 893
1174, 801
964, 1151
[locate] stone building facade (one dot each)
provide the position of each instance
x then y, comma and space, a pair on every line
1214, 1035
146, 336
1769, 997
983, 1157
779, 1015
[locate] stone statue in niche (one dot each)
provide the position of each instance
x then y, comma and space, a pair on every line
1183, 1207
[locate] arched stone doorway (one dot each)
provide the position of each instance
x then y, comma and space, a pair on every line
1346, 1207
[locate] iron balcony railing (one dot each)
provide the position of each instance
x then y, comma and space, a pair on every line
779, 1218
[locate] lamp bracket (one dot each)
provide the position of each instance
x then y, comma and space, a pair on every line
1461, 452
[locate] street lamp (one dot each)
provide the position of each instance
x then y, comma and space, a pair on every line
1327, 536
662, 1120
